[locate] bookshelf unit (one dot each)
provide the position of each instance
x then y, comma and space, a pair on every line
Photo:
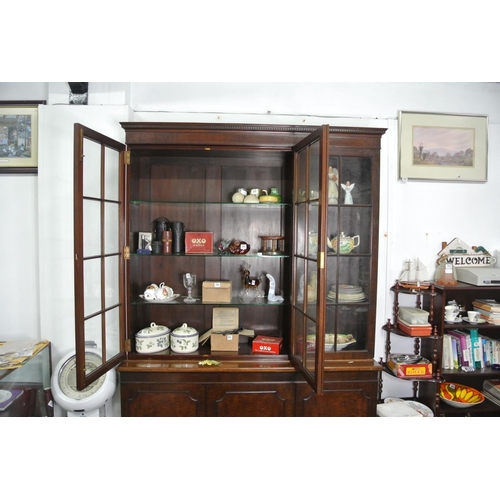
433, 300
464, 294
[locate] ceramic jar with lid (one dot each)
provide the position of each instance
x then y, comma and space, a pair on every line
184, 339
154, 338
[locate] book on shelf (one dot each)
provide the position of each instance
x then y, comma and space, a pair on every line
461, 343
488, 316
447, 359
491, 397
490, 305
492, 386
476, 348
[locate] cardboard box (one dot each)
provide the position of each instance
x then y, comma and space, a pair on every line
225, 334
216, 292
225, 329
421, 369
199, 242
267, 345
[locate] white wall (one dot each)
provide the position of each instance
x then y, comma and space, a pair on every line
415, 216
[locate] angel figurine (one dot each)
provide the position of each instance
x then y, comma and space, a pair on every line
347, 187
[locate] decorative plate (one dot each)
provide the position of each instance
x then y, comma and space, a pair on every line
460, 396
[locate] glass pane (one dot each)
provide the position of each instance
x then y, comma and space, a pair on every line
111, 228
93, 329
112, 332
311, 296
356, 180
92, 286
354, 275
111, 174
333, 181
300, 335
91, 228
314, 173
313, 249
112, 281
301, 181
301, 282
311, 341
91, 169
300, 227
355, 229
353, 327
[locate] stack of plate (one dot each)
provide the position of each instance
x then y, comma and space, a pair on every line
347, 293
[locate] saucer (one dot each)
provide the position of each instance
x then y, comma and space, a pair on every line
480, 320
161, 301
458, 320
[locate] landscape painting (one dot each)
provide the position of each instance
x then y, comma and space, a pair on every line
444, 147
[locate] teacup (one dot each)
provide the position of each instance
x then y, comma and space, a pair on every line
164, 292
150, 292
473, 316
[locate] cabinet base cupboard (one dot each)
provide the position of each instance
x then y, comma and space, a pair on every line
316, 290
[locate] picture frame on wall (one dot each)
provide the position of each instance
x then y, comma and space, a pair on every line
443, 147
19, 136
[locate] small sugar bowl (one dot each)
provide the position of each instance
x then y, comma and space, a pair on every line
184, 339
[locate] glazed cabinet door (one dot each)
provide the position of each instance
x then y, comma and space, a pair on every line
351, 252
100, 251
308, 299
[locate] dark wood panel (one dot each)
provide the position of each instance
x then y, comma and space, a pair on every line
162, 400
250, 400
338, 400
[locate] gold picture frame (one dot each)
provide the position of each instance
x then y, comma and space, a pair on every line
19, 136
443, 147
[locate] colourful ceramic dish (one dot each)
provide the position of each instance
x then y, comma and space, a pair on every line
460, 396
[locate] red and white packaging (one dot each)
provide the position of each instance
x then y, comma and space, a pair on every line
267, 345
199, 242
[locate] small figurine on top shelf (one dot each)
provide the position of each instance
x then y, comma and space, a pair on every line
348, 187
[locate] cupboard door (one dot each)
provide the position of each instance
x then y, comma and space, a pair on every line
354, 399
309, 295
100, 251
162, 400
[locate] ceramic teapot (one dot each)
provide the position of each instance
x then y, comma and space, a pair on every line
347, 243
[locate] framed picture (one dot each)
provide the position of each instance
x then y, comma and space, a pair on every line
443, 147
19, 136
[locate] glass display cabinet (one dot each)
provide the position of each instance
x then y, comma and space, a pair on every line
325, 220
25, 384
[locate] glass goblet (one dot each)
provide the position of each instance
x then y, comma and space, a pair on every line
189, 280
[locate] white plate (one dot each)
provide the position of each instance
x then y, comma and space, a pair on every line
5, 395
422, 409
480, 320
329, 347
162, 301
392, 400
453, 320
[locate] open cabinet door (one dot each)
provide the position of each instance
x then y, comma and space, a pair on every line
101, 253
309, 293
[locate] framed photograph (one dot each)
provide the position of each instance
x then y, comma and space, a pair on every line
19, 136
443, 147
